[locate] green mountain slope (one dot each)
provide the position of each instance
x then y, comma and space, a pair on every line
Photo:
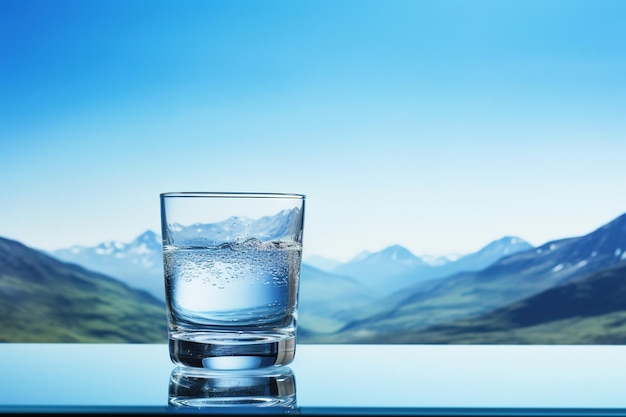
46, 300
328, 301
589, 310
510, 280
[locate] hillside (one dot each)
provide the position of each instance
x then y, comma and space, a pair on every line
466, 295
45, 300
328, 301
589, 310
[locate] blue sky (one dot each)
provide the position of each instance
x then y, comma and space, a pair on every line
437, 125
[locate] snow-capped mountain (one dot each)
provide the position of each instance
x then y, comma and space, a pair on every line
602, 248
396, 267
512, 279
138, 263
396, 254
285, 223
375, 269
491, 253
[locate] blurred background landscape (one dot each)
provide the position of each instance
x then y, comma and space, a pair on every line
462, 161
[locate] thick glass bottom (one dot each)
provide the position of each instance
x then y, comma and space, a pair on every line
231, 351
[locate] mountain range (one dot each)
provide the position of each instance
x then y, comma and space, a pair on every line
43, 299
360, 287
459, 305
395, 267
138, 263
328, 300
564, 291
265, 228
587, 310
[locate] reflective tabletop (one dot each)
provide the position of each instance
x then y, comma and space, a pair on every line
323, 380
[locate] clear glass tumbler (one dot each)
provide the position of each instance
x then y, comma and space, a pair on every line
232, 269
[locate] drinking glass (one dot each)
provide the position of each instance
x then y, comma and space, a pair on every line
232, 269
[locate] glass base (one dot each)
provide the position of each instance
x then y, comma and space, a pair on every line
226, 351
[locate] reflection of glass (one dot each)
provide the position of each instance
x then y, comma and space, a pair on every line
271, 390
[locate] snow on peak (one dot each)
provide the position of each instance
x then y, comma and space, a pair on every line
142, 249
106, 250
438, 260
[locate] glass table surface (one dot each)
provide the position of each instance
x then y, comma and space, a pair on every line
326, 380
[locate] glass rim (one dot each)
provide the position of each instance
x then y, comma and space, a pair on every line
230, 194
